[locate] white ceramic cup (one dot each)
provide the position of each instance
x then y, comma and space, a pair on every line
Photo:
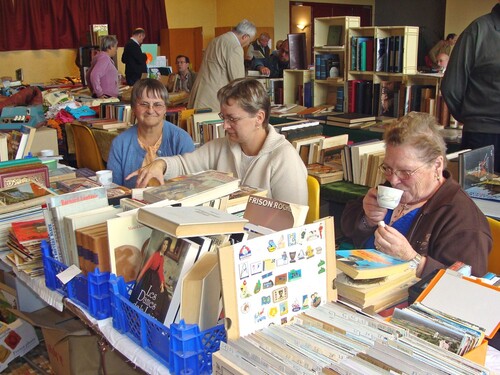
46, 152
104, 177
388, 197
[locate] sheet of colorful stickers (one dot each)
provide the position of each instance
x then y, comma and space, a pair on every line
277, 276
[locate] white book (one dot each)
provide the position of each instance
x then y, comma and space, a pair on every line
22, 145
357, 151
4, 151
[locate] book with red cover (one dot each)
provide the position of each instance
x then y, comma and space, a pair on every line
30, 231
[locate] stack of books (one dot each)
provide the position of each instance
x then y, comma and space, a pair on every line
351, 120
372, 280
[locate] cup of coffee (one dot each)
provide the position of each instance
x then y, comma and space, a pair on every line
104, 177
388, 197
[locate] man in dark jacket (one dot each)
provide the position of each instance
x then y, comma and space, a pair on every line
274, 65
133, 57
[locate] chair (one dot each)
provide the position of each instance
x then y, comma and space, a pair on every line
494, 257
313, 199
87, 152
183, 118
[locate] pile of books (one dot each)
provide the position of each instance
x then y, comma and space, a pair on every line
24, 242
372, 280
351, 120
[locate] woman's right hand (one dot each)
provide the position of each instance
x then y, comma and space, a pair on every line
154, 170
373, 212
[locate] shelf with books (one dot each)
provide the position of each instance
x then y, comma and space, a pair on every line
330, 49
297, 87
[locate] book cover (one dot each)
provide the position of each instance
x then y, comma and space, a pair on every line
476, 173
166, 262
325, 173
351, 118
269, 279
30, 231
190, 221
240, 197
273, 214
194, 189
368, 263
127, 243
38, 173
25, 195
60, 174
334, 35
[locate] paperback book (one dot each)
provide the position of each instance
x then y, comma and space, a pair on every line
368, 263
158, 285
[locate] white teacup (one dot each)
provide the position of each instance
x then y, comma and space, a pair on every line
104, 177
388, 197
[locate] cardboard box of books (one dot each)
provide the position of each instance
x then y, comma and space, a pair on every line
462, 312
270, 279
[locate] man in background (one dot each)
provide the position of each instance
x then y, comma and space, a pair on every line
443, 46
258, 50
471, 84
442, 61
274, 65
133, 57
184, 79
222, 62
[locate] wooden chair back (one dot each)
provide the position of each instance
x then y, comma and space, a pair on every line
313, 188
87, 152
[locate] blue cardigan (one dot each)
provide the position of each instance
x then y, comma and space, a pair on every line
126, 156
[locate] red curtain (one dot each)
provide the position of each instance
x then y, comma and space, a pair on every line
55, 24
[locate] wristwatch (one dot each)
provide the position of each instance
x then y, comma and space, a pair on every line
415, 261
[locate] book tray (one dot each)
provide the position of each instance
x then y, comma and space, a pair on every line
180, 347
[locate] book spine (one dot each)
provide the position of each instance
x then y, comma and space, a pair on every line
54, 244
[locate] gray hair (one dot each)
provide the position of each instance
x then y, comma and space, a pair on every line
108, 41
249, 94
420, 131
152, 87
245, 27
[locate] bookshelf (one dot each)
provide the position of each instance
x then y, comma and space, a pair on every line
380, 59
327, 30
297, 87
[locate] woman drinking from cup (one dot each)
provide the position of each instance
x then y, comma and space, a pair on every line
435, 223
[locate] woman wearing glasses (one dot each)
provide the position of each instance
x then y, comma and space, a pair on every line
435, 223
150, 137
252, 149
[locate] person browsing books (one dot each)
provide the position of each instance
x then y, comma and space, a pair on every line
274, 65
150, 137
102, 76
252, 149
435, 223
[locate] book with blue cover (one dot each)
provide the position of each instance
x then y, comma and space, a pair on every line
368, 263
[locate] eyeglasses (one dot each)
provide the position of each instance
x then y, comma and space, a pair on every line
232, 120
401, 174
155, 105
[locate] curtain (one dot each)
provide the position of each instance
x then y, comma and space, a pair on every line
55, 24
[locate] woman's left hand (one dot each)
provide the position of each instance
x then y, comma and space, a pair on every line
390, 241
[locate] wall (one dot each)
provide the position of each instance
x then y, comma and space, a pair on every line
460, 13
42, 65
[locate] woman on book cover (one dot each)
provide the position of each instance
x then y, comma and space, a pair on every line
252, 149
150, 293
436, 223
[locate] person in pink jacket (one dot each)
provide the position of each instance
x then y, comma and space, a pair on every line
102, 76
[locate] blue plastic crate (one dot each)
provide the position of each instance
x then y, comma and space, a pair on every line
182, 348
92, 292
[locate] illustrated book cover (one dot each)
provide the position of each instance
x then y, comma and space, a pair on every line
269, 279
194, 189
21, 196
368, 263
476, 173
128, 240
157, 291
190, 221
273, 214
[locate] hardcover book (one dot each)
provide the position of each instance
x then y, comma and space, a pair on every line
157, 291
351, 118
325, 173
194, 189
190, 221
12, 177
334, 35
368, 263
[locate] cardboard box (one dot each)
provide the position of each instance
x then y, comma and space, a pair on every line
45, 139
73, 348
27, 299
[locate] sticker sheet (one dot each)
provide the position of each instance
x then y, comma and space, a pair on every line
280, 275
